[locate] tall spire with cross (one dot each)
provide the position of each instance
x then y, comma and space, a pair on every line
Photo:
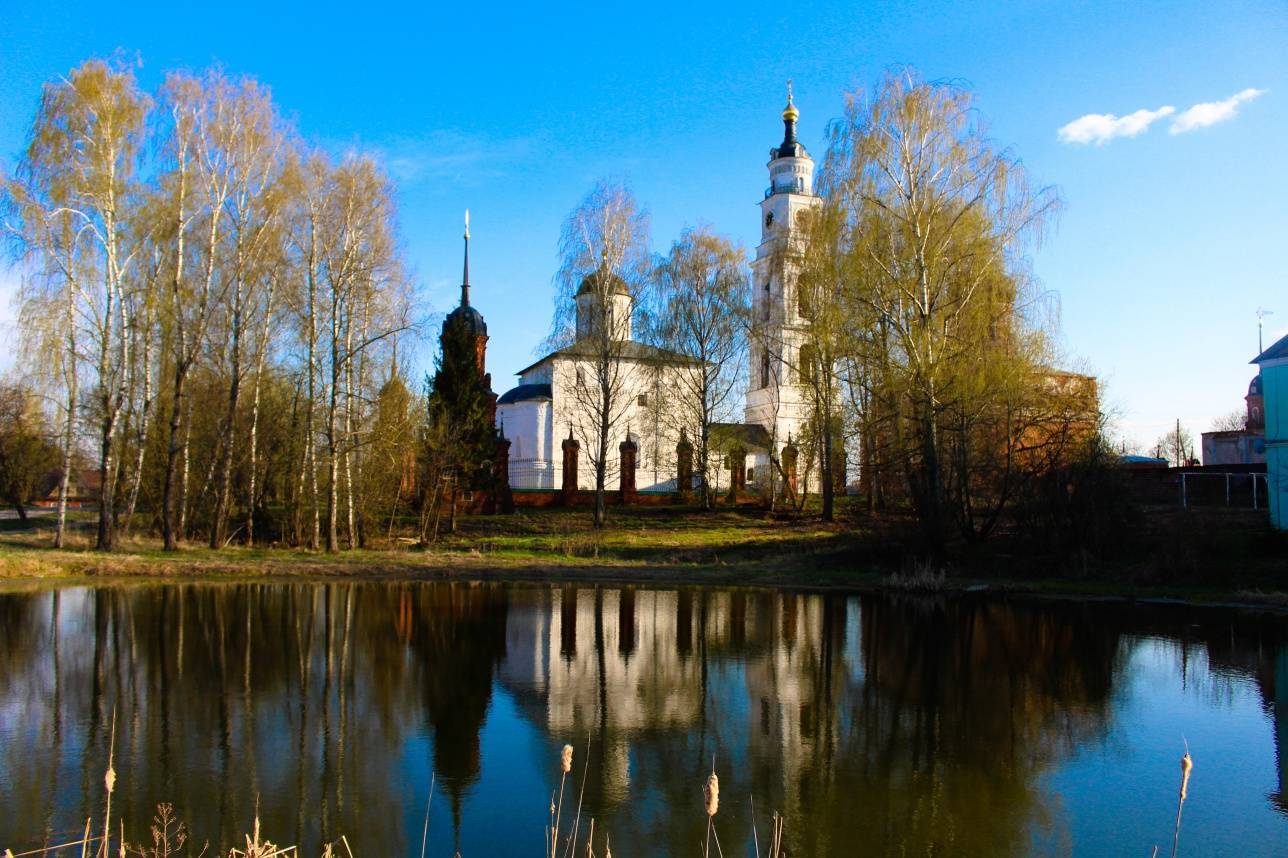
465, 280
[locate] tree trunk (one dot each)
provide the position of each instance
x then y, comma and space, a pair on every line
359, 456
105, 488
601, 463
310, 437
254, 414
452, 514
144, 424
173, 447
111, 405
332, 429
348, 434
223, 492
825, 473
182, 529
69, 429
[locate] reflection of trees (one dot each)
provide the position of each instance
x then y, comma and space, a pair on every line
895, 724
963, 705
910, 725
458, 638
297, 697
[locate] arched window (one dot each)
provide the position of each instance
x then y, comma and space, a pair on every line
764, 367
805, 364
802, 300
764, 303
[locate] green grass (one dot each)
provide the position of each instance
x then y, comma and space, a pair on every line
743, 546
642, 542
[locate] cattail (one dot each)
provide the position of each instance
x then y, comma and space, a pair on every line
565, 759
1186, 765
711, 793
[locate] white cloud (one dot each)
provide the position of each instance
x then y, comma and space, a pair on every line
1100, 128
451, 155
1211, 112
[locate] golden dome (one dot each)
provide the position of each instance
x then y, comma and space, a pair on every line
790, 113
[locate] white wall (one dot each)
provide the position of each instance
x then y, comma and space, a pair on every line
527, 425
656, 438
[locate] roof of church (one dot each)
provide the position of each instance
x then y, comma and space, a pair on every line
590, 283
525, 393
751, 435
791, 147
1254, 386
471, 317
630, 350
1277, 350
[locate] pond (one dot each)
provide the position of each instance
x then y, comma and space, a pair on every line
875, 724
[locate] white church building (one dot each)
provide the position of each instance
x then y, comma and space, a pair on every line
553, 401
544, 409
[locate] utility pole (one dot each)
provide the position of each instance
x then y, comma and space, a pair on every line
1261, 314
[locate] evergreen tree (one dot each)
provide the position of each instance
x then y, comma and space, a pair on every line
461, 441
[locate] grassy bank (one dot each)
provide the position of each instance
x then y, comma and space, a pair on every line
670, 543
1216, 555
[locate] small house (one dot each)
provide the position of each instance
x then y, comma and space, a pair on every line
1273, 363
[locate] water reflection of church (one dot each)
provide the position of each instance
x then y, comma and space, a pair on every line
632, 663
899, 723
938, 718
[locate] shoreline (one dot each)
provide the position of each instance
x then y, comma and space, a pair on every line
49, 569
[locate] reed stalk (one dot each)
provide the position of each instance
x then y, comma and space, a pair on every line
1187, 764
711, 803
109, 780
576, 827
565, 766
424, 834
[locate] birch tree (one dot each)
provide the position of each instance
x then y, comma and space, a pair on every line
700, 307
604, 250
937, 217
84, 147
50, 243
159, 295
196, 187
248, 139
819, 285
357, 256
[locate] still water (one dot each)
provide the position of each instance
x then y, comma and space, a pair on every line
878, 725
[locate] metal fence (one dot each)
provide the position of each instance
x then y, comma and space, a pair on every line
532, 474
1201, 488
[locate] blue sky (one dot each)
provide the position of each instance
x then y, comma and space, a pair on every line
1168, 245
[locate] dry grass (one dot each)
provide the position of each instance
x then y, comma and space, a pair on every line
918, 576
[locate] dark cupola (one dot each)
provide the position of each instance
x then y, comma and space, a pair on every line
790, 147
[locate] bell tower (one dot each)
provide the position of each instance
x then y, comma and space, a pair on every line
776, 399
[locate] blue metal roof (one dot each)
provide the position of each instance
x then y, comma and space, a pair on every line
524, 393
1278, 350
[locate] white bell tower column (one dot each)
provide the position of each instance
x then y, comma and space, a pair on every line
775, 398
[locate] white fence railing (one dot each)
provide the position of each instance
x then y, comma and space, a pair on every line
1238, 488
